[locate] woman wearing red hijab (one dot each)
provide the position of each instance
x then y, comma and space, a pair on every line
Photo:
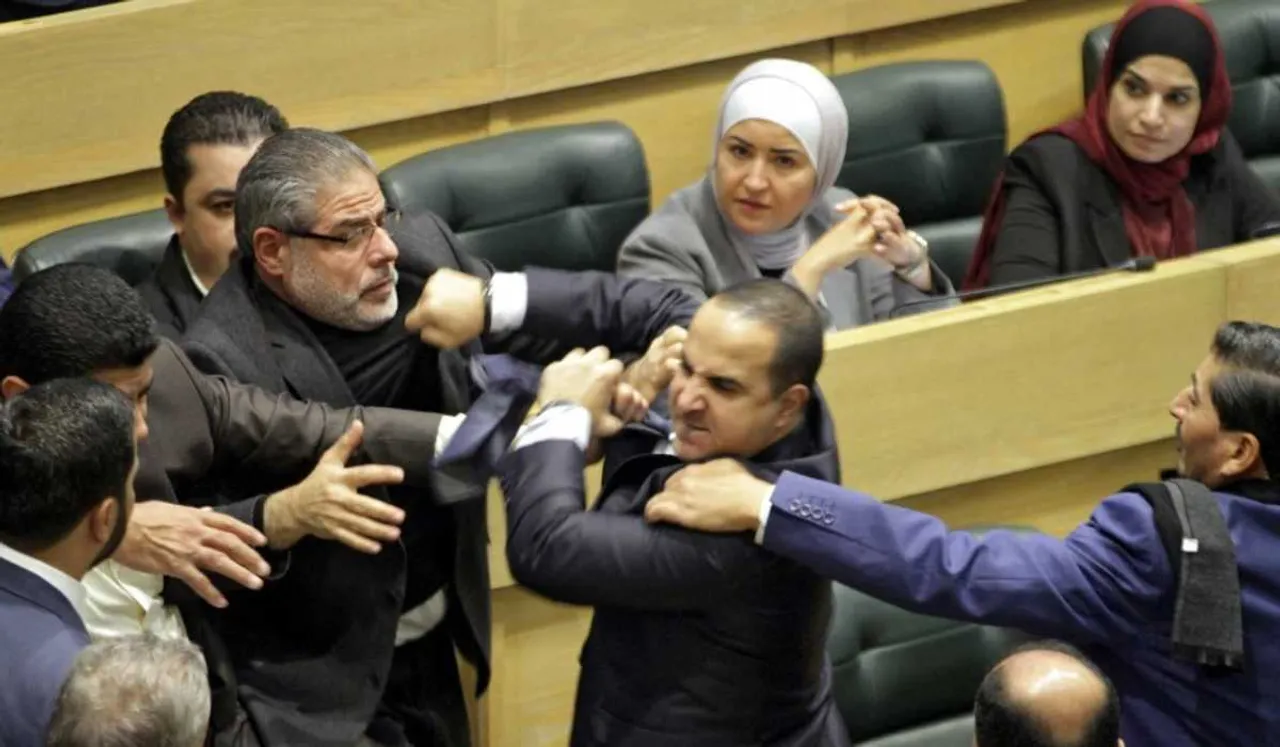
1148, 170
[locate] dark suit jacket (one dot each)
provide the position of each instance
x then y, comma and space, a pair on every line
202, 426
1062, 212
40, 636
698, 639
313, 656
171, 294
1108, 587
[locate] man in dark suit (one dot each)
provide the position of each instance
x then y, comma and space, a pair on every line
77, 320
697, 639
317, 307
68, 455
204, 146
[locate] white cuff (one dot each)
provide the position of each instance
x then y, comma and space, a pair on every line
444, 432
562, 422
509, 300
766, 506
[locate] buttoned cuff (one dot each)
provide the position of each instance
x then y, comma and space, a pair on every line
509, 300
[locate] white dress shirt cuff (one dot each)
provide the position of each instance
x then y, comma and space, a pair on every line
766, 506
444, 432
560, 422
508, 301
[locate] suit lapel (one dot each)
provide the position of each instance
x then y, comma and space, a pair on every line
1106, 221
306, 369
176, 283
630, 460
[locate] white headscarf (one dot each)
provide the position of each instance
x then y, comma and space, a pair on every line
802, 99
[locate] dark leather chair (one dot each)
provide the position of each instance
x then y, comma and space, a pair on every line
929, 137
562, 197
1250, 31
131, 246
908, 680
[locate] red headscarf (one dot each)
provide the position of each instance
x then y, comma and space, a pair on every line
1158, 218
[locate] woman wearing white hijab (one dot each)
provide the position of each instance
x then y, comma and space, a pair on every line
768, 207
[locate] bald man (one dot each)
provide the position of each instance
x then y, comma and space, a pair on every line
1046, 694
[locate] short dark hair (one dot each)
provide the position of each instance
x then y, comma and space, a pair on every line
65, 446
999, 721
215, 118
795, 318
1246, 394
73, 320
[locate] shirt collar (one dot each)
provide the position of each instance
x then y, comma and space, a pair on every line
70, 588
203, 291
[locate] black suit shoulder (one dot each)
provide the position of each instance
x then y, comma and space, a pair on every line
170, 294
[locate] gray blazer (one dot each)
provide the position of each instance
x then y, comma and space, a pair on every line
685, 243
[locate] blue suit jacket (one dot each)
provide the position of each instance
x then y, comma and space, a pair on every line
1107, 587
40, 636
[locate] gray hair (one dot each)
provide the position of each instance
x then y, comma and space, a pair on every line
278, 187
134, 691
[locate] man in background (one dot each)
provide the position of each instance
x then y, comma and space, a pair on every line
204, 146
1046, 694
140, 690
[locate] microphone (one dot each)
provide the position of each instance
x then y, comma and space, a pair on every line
1265, 231
1134, 264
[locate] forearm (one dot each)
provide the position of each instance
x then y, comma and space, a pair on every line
807, 275
1092, 587
594, 308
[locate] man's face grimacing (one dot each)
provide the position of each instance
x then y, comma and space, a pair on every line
723, 398
341, 269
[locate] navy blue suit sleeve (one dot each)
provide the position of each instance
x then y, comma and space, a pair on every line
591, 308
569, 554
1107, 582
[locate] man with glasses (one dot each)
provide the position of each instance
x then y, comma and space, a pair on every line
317, 306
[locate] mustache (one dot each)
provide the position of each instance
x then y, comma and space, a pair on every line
391, 274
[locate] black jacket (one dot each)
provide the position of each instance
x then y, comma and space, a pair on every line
1062, 212
170, 293
698, 639
312, 653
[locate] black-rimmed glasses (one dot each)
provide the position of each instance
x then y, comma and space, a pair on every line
356, 238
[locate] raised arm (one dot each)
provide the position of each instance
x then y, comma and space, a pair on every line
1103, 584
569, 554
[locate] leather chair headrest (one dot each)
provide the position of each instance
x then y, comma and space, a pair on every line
901, 678
927, 136
562, 197
131, 246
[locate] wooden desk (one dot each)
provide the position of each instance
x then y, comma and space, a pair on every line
1025, 409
